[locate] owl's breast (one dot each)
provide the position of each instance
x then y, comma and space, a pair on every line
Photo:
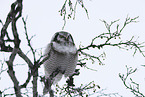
62, 57
66, 63
64, 60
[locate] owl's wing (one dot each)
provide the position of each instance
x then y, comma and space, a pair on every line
46, 57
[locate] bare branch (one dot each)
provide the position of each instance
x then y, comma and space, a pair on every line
108, 36
34, 82
28, 40
133, 86
72, 10
11, 73
102, 93
24, 57
27, 81
92, 58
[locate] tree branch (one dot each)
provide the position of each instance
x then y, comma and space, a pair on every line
16, 8
11, 72
24, 85
107, 40
24, 57
72, 10
133, 86
28, 40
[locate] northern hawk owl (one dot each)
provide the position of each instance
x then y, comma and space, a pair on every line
63, 56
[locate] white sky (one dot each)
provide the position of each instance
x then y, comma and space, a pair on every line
44, 20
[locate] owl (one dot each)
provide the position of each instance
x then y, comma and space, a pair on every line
63, 56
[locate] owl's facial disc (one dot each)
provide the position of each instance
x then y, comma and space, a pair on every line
63, 43
63, 37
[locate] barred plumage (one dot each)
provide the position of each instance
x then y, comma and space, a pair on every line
63, 56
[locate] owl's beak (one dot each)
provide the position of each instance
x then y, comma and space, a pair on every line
67, 38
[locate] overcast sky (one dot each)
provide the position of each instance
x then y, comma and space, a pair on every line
44, 20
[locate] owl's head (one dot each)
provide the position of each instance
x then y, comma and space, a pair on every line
62, 37
63, 42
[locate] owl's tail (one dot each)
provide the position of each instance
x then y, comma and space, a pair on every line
49, 82
57, 78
